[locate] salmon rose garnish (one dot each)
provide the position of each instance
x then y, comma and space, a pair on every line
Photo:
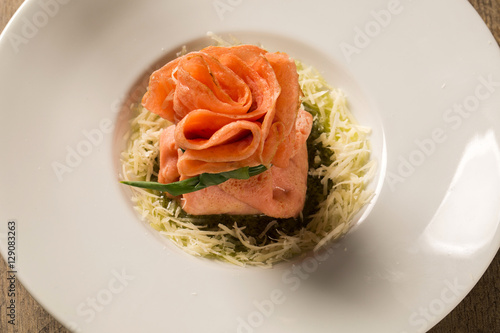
233, 107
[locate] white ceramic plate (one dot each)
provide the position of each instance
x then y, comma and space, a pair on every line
424, 74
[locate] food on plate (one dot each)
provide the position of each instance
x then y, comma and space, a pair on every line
246, 155
231, 108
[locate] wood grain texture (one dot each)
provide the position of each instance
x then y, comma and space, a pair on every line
479, 312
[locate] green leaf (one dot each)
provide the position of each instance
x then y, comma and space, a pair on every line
199, 182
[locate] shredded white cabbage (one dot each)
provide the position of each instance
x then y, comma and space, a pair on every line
349, 168
344, 174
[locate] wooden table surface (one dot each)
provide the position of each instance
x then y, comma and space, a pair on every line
479, 312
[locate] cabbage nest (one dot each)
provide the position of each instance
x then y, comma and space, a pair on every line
339, 170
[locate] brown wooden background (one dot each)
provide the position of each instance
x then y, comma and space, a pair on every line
479, 312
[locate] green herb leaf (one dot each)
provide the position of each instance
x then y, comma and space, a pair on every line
199, 182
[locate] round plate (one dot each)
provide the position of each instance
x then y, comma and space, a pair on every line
424, 75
